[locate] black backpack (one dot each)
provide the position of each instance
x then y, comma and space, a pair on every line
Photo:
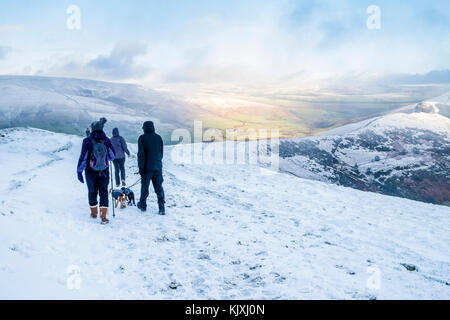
98, 155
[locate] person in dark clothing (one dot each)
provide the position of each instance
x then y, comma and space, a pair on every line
96, 170
120, 146
88, 132
150, 154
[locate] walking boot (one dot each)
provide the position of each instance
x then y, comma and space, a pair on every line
103, 212
140, 207
123, 183
162, 210
94, 212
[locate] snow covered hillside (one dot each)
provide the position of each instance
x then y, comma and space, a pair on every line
67, 105
399, 154
231, 232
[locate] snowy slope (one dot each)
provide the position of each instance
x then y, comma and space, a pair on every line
230, 233
69, 105
401, 154
416, 120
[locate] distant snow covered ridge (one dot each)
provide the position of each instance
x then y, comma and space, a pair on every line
70, 105
440, 104
406, 155
443, 102
230, 233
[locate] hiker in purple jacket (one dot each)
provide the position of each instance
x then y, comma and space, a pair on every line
120, 146
96, 153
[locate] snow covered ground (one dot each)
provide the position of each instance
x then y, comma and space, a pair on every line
231, 233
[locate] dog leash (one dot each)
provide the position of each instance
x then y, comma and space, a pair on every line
139, 180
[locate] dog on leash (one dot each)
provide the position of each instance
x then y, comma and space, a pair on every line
119, 196
129, 196
124, 196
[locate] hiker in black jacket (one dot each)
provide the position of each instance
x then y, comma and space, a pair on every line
150, 154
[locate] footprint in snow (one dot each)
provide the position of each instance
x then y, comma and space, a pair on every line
258, 281
255, 267
203, 256
347, 270
163, 238
120, 270
14, 185
278, 278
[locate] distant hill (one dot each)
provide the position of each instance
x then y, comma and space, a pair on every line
70, 105
400, 154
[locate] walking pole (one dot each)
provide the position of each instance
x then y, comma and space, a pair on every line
112, 197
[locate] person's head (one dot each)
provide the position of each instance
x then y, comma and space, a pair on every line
98, 125
148, 127
115, 132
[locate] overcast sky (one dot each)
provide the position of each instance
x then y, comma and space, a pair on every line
225, 42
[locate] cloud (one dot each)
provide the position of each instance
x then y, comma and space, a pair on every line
433, 77
120, 63
4, 51
250, 43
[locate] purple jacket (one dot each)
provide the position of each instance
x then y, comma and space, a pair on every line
86, 149
119, 144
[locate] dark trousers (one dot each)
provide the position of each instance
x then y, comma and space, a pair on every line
156, 178
119, 166
97, 183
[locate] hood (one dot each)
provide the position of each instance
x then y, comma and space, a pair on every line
115, 132
148, 127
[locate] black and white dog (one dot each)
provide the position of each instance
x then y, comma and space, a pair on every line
130, 196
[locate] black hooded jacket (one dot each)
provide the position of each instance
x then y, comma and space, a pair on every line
150, 149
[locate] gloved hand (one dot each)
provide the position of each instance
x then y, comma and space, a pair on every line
80, 177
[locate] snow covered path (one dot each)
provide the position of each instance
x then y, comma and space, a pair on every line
230, 233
